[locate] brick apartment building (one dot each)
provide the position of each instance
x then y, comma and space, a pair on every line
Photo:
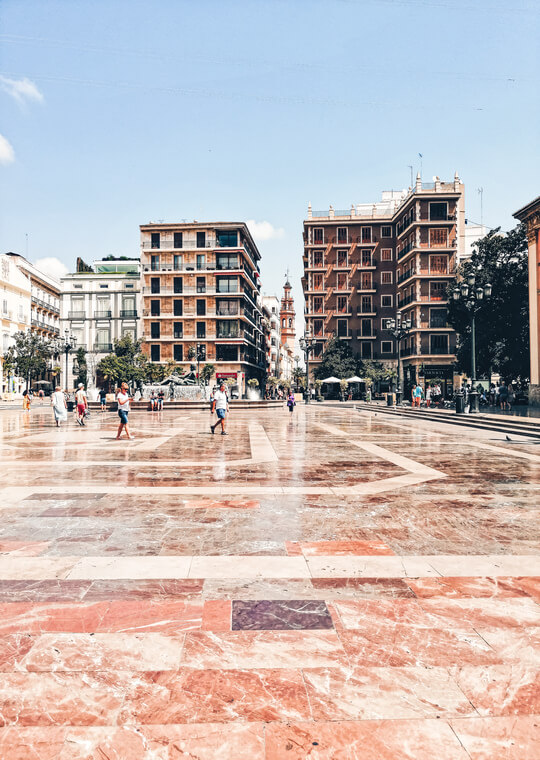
363, 265
201, 292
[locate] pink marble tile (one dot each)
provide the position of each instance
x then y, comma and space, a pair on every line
341, 548
476, 587
512, 738
367, 614
24, 548
483, 613
497, 690
216, 615
365, 740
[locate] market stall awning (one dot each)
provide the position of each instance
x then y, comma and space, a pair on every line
331, 380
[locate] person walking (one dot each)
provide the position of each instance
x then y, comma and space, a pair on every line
26, 401
59, 406
82, 403
291, 403
503, 396
123, 399
103, 399
428, 396
40, 396
221, 406
417, 395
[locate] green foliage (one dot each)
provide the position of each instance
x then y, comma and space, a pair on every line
373, 371
253, 382
82, 367
207, 372
129, 364
337, 360
28, 355
502, 320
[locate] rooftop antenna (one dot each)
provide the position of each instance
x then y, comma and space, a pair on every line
411, 168
481, 194
421, 157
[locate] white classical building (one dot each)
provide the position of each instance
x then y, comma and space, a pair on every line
15, 301
98, 307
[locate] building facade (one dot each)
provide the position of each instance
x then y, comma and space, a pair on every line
45, 299
271, 306
98, 307
530, 216
363, 265
15, 297
201, 297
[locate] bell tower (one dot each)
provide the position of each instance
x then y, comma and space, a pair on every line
287, 316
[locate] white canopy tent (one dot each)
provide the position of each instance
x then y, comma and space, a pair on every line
355, 379
331, 380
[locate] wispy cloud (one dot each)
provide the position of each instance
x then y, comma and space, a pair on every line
52, 266
22, 90
7, 154
264, 230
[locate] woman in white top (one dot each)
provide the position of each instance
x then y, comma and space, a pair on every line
123, 410
58, 403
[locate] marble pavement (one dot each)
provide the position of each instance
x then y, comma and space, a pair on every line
330, 585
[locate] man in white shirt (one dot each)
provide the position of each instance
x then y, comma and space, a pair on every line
82, 403
220, 402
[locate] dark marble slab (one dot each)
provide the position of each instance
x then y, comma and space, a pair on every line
265, 615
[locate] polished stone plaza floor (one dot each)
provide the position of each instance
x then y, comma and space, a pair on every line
332, 584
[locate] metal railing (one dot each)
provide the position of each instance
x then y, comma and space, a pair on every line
76, 314
128, 313
104, 314
102, 347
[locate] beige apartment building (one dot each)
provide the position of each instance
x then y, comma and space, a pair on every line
365, 264
201, 298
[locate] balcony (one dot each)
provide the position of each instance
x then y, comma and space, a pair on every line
366, 312
362, 335
103, 348
167, 244
106, 314
76, 314
128, 313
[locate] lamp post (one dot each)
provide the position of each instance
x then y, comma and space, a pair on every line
471, 295
65, 345
307, 345
200, 358
399, 328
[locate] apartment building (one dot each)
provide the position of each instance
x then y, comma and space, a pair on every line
271, 307
15, 295
44, 298
98, 305
201, 295
363, 264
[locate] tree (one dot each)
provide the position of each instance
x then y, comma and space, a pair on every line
502, 320
28, 355
338, 361
207, 372
82, 366
129, 364
374, 371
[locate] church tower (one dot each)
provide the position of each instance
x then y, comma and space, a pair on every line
287, 317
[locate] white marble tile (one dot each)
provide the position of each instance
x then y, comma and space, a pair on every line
35, 568
487, 565
249, 567
168, 567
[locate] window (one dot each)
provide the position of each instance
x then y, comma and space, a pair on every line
226, 353
342, 234
178, 352
227, 328
155, 241
318, 327
155, 308
387, 347
225, 307
201, 329
178, 240
342, 328
438, 238
342, 258
438, 211
226, 261
227, 238
178, 330
77, 286
438, 344
386, 301
437, 291
178, 307
128, 285
366, 234
366, 327
227, 284
437, 318
365, 281
438, 264
103, 286
155, 331
342, 304
365, 350
317, 282
201, 284
366, 306
201, 239
318, 235
201, 260
177, 262
318, 304
201, 307
154, 263
386, 231
155, 353
365, 258
386, 278
318, 258
341, 281
387, 254
178, 285
155, 285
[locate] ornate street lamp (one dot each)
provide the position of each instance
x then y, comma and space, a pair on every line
471, 296
64, 346
200, 358
307, 345
399, 328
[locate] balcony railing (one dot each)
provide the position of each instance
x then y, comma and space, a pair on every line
104, 314
103, 348
128, 313
76, 314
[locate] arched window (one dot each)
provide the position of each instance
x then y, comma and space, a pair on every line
290, 322
284, 322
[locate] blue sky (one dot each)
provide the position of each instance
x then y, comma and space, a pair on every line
118, 113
